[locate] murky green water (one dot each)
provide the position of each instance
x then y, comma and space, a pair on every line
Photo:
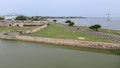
18, 54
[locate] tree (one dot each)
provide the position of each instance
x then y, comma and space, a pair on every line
71, 24
28, 18
43, 19
36, 18
54, 20
2, 18
68, 21
95, 27
21, 18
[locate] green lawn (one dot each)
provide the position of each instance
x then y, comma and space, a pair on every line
3, 29
53, 31
114, 32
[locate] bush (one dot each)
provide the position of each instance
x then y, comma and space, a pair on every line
2, 18
21, 18
95, 27
35, 18
54, 20
71, 24
68, 21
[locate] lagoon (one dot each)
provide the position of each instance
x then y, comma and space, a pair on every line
103, 21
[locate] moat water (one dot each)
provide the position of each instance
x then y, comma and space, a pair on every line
19, 54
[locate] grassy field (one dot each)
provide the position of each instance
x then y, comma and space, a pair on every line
53, 31
3, 29
113, 32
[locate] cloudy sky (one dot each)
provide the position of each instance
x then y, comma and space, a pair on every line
87, 8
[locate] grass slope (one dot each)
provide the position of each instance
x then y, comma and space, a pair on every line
113, 32
3, 29
53, 31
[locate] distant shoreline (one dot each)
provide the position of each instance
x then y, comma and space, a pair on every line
88, 21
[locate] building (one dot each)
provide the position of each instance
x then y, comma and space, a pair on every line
11, 16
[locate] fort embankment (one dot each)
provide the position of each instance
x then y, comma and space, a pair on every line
38, 28
69, 42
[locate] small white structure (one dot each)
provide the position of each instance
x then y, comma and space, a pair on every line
82, 38
11, 16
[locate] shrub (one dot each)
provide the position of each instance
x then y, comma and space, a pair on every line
71, 24
68, 21
54, 20
95, 27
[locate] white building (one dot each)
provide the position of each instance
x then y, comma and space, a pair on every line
11, 16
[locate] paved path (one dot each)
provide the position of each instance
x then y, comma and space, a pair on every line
99, 34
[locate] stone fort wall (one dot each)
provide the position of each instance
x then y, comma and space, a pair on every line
69, 42
8, 23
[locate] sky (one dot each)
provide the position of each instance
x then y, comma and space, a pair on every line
85, 8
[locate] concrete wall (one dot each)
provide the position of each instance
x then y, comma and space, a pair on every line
69, 42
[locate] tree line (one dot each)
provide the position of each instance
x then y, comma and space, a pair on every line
23, 18
2, 18
33, 18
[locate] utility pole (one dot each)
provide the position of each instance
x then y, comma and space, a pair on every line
108, 22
